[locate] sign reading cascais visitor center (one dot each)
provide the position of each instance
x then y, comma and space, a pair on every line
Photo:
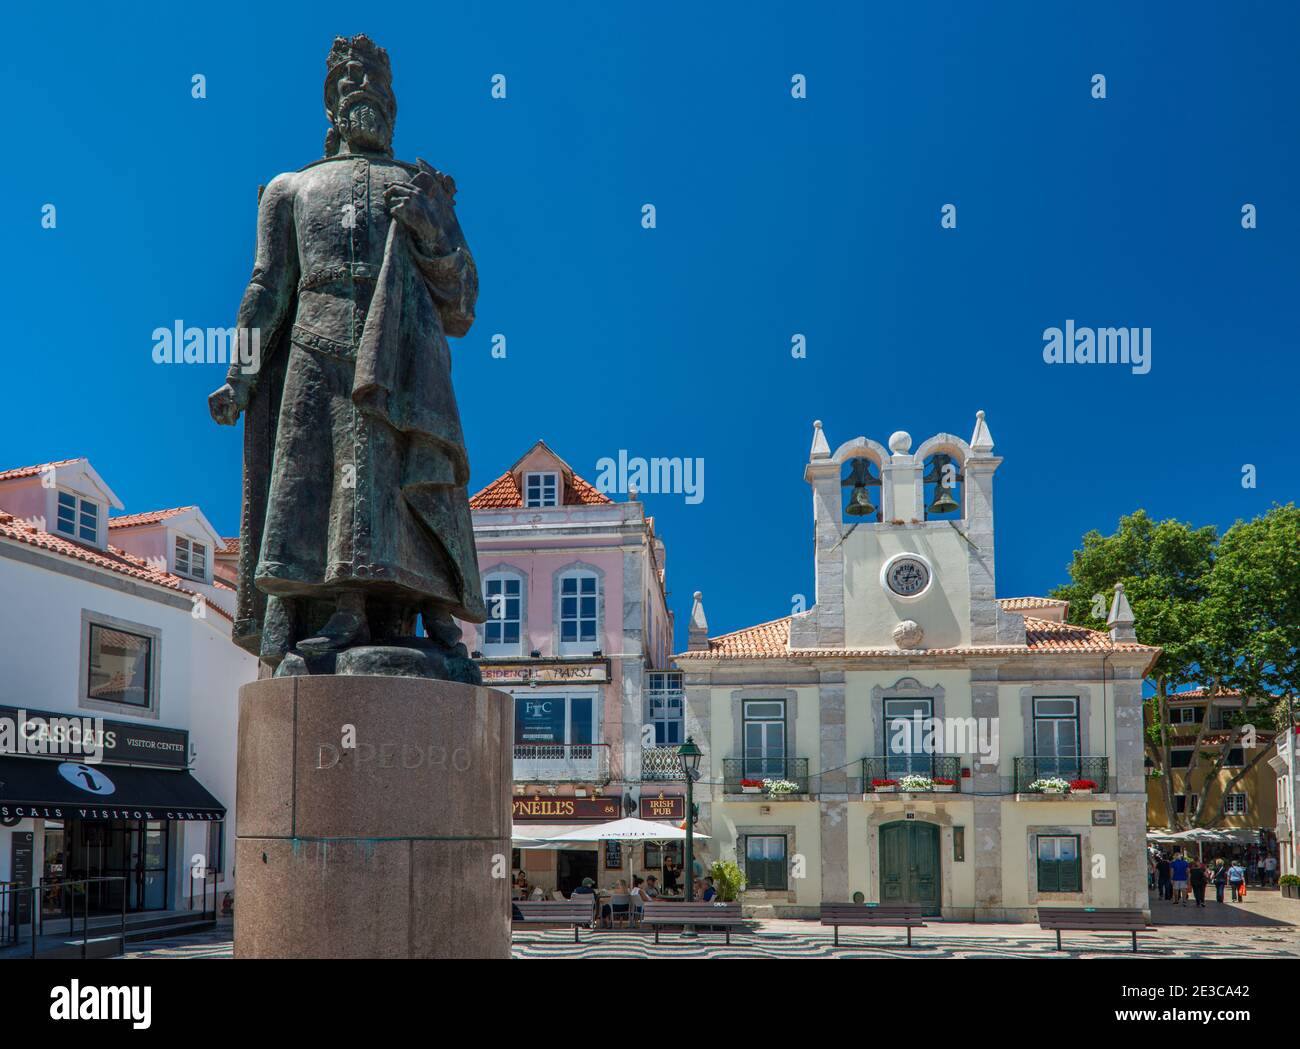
122, 742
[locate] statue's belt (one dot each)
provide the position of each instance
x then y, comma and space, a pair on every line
344, 271
323, 344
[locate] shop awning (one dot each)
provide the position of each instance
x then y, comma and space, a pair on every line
35, 787
538, 836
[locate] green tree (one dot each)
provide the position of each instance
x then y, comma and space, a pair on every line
1165, 568
1226, 613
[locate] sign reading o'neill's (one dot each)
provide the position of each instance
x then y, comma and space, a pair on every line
564, 809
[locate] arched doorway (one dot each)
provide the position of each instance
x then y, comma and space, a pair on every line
909, 864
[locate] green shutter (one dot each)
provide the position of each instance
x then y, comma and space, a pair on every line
1071, 874
1048, 876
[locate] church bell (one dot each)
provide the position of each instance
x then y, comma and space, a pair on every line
860, 504
942, 477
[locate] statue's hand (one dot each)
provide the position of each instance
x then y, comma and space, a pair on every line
417, 211
226, 403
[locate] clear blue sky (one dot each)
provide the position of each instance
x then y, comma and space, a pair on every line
775, 216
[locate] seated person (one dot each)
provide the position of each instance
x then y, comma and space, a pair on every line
710, 893
651, 887
620, 902
639, 897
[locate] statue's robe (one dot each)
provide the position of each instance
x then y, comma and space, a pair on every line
355, 468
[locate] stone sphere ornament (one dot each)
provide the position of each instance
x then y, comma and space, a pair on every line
908, 634
900, 441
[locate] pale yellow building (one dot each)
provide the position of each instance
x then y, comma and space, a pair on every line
908, 665
1200, 725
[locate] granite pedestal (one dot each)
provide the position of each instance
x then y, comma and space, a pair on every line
395, 847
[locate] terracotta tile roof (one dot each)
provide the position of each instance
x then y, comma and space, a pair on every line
504, 494
1017, 604
1042, 635
1202, 693
229, 544
112, 559
756, 642
771, 641
31, 471
149, 517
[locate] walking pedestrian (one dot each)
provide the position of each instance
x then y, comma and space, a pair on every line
1236, 880
1220, 877
1163, 871
1180, 868
1270, 870
1197, 875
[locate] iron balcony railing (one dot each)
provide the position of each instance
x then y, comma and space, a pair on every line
562, 762
734, 770
1069, 768
896, 766
661, 765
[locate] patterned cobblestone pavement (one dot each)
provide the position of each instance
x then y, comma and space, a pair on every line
1266, 928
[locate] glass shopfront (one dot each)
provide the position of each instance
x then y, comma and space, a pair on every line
136, 851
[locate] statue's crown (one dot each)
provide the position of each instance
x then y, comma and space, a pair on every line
359, 48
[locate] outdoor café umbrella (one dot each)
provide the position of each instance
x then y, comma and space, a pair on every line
629, 829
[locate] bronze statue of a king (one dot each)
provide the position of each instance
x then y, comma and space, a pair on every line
356, 522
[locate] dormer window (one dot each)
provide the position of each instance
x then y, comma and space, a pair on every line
542, 489
191, 558
78, 518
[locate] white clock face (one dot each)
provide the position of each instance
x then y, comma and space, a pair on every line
907, 576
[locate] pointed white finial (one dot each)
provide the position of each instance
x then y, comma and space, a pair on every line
697, 630
1121, 621
981, 440
820, 449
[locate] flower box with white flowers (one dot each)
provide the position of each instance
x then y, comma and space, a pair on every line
916, 784
1050, 785
776, 787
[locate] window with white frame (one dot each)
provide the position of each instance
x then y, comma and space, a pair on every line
1235, 804
77, 517
542, 489
579, 598
1186, 715
665, 706
503, 631
191, 558
1187, 803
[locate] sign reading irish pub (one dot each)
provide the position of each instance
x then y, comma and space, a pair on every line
538, 808
663, 807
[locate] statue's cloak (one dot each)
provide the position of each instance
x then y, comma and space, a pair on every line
403, 379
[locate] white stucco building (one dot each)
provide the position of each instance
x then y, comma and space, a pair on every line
118, 618
910, 737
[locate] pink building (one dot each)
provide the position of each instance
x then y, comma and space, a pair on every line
579, 632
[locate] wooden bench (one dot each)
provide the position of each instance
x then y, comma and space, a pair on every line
715, 912
873, 916
580, 910
1093, 919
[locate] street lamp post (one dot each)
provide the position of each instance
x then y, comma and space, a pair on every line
690, 755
